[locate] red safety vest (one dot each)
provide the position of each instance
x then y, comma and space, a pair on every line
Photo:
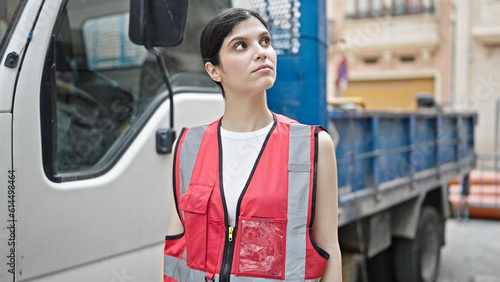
272, 238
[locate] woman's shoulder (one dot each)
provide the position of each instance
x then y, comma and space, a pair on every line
201, 126
286, 120
325, 142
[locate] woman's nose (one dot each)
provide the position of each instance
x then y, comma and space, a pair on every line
260, 53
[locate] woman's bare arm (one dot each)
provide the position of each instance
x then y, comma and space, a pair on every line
326, 215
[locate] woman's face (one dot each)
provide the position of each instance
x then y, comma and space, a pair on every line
247, 59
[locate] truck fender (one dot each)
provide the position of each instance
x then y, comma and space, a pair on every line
405, 217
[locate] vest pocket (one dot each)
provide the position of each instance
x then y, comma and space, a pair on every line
175, 245
262, 247
194, 204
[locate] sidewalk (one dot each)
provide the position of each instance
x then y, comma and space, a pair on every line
472, 251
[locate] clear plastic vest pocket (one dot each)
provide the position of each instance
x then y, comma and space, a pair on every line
262, 247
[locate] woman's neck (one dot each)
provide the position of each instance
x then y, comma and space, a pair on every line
246, 113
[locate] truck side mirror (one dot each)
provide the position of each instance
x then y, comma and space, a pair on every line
157, 23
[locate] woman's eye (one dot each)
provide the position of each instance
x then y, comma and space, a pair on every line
266, 41
239, 46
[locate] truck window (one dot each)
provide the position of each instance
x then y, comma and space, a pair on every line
99, 88
9, 9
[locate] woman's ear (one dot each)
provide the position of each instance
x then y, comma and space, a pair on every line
213, 72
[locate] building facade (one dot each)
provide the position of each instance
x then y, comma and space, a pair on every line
394, 49
476, 67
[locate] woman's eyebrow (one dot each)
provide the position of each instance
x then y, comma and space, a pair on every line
237, 38
243, 38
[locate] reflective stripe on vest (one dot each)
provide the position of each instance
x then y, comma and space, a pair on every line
190, 148
299, 168
177, 269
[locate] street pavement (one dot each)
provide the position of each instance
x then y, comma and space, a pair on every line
472, 251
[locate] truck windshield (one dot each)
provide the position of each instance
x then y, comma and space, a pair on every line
9, 9
105, 86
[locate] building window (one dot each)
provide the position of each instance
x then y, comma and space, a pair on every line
413, 7
378, 8
371, 61
363, 8
407, 59
399, 7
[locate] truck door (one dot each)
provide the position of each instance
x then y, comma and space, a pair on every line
93, 194
9, 13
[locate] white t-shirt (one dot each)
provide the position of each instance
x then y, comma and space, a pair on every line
239, 153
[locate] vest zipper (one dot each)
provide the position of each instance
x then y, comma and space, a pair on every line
230, 236
227, 261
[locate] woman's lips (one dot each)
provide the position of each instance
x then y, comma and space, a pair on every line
263, 68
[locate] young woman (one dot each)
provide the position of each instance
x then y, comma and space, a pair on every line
255, 193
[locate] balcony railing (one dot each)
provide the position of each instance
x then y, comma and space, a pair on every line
401, 9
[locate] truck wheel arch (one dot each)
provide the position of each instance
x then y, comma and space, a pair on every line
405, 216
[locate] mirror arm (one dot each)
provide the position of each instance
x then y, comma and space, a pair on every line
166, 78
161, 62
164, 139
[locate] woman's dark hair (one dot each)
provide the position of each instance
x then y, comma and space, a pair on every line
218, 29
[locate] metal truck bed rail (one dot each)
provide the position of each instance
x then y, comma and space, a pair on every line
386, 158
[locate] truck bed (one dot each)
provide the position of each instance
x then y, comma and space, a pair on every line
387, 158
